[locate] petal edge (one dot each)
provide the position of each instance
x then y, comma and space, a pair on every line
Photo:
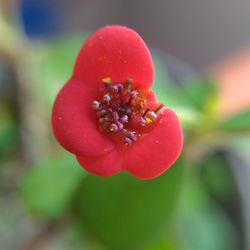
163, 145
117, 52
74, 122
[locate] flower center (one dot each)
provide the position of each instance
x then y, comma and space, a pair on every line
125, 112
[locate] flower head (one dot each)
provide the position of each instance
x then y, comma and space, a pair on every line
108, 116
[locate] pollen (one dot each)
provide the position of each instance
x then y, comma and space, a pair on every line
123, 110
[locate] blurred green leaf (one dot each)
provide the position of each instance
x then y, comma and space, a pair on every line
169, 241
240, 145
217, 178
240, 121
202, 95
196, 102
49, 187
201, 224
208, 229
219, 183
125, 212
164, 87
173, 96
52, 65
8, 130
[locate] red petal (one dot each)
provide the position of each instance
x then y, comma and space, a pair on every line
106, 165
74, 122
157, 151
117, 52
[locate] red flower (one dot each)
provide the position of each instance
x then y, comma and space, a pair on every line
108, 116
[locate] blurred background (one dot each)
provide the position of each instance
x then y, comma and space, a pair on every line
201, 52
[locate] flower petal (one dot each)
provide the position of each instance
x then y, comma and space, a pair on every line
106, 165
74, 122
117, 52
157, 151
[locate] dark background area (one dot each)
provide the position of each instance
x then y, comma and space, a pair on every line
199, 32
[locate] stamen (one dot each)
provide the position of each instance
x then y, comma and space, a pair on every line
107, 80
133, 136
115, 116
134, 94
102, 120
128, 141
145, 113
120, 87
119, 125
129, 82
124, 110
115, 88
106, 98
120, 104
159, 108
124, 119
101, 113
114, 128
152, 115
142, 121
96, 105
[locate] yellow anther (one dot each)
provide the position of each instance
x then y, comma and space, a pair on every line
106, 80
148, 120
152, 115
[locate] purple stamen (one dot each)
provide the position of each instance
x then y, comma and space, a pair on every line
115, 88
124, 119
121, 104
134, 94
114, 127
133, 136
115, 116
120, 87
96, 105
128, 141
106, 98
142, 121
120, 125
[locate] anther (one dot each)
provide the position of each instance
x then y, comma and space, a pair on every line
107, 80
159, 108
133, 136
134, 93
101, 113
152, 115
124, 119
128, 111
129, 82
96, 105
113, 128
145, 113
142, 121
128, 141
104, 119
119, 125
101, 120
120, 87
106, 98
115, 116
117, 88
